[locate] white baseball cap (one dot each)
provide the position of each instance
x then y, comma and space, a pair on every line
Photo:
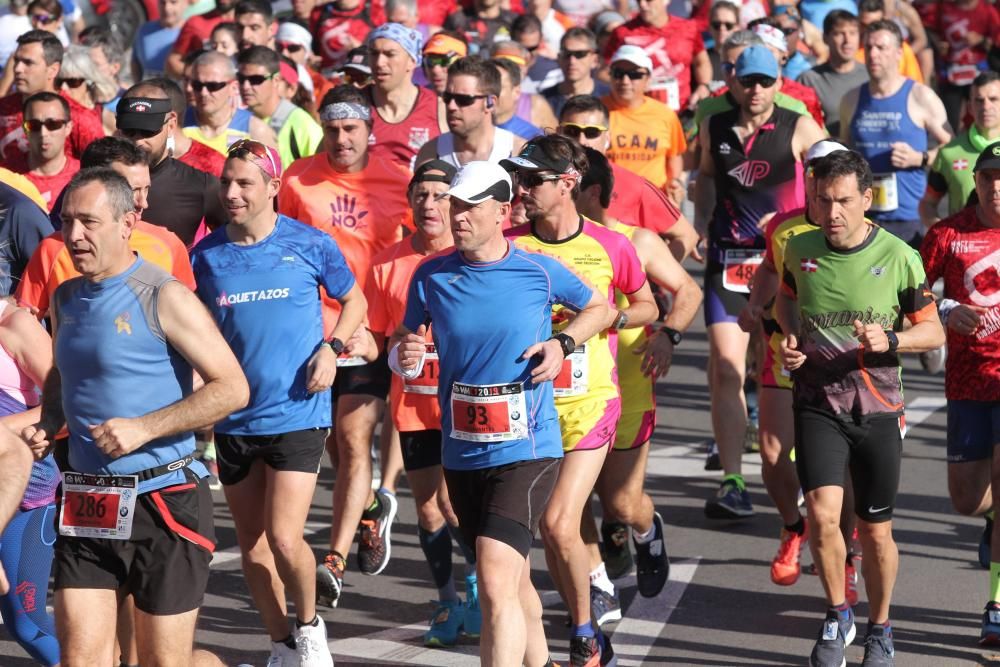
822, 148
480, 180
633, 54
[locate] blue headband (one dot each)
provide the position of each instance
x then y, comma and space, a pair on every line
410, 40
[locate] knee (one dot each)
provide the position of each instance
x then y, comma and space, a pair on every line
876, 534
559, 531
285, 547
446, 510
429, 516
726, 373
258, 552
824, 522
965, 503
624, 508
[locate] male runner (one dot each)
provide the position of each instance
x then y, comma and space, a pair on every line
469, 99
752, 154
489, 303
959, 249
47, 124
127, 337
360, 200
548, 172
269, 452
844, 291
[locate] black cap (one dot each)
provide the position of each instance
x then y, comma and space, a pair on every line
421, 174
533, 158
141, 113
357, 59
989, 158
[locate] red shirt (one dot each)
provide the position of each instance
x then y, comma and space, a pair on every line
195, 32
636, 201
962, 251
400, 142
51, 186
434, 12
961, 62
340, 31
807, 96
203, 158
672, 49
87, 127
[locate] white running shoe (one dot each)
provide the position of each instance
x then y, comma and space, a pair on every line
282, 656
313, 650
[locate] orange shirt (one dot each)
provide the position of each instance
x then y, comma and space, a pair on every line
364, 212
51, 264
415, 407
909, 66
645, 138
24, 186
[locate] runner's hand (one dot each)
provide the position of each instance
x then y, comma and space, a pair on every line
905, 156
749, 317
657, 353
361, 344
321, 369
119, 436
965, 319
38, 440
791, 357
550, 360
412, 347
871, 336
698, 251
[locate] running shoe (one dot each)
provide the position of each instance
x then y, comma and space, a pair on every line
311, 645
282, 656
213, 473
729, 502
851, 583
985, 545
604, 607
374, 545
751, 438
330, 579
712, 460
990, 635
592, 652
472, 621
652, 567
445, 624
617, 555
878, 647
787, 564
834, 638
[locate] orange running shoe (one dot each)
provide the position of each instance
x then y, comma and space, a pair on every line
786, 566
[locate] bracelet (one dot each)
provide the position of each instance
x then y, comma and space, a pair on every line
945, 306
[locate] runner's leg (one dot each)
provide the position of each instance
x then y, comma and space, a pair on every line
165, 641
86, 639
501, 570
287, 501
728, 348
826, 541
390, 457
777, 437
15, 468
357, 415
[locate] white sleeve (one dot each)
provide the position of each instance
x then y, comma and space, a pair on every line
398, 370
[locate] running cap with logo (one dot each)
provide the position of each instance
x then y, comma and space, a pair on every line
141, 113
445, 45
757, 60
480, 180
357, 59
411, 40
822, 148
533, 158
423, 172
633, 54
771, 36
989, 158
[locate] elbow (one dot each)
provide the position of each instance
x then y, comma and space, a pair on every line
238, 393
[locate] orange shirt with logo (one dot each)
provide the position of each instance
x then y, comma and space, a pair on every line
645, 138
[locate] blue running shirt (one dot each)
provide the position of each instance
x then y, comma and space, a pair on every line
485, 315
265, 298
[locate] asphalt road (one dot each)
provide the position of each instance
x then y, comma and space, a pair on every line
719, 607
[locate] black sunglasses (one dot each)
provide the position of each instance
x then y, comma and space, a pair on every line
727, 68
530, 180
791, 30
44, 19
576, 55
719, 25
73, 82
532, 49
633, 74
136, 133
573, 130
461, 100
756, 80
254, 79
50, 124
291, 47
357, 77
212, 86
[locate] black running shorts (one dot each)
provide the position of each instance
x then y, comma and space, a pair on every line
296, 451
421, 449
368, 379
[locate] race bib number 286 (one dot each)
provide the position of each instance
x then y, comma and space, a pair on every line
98, 506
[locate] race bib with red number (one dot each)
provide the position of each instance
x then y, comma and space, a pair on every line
427, 381
98, 506
488, 413
572, 378
740, 265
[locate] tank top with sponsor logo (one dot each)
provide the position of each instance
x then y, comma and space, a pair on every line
400, 142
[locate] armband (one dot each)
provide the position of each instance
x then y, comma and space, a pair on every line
945, 306
394, 366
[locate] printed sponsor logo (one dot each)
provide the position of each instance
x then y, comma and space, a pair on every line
251, 296
750, 172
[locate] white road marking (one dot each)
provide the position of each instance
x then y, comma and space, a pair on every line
919, 409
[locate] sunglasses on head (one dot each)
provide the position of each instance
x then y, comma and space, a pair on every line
632, 74
44, 19
254, 79
756, 80
291, 47
72, 82
530, 179
211, 86
438, 60
461, 100
248, 146
719, 25
574, 130
50, 124
576, 55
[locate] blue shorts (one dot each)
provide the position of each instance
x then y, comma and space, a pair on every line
721, 305
973, 429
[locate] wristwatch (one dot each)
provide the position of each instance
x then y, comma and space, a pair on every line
621, 321
673, 334
893, 340
566, 342
336, 345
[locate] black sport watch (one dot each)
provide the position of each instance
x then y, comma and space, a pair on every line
673, 334
893, 340
566, 342
337, 345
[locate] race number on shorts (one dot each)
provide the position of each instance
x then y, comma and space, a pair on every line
740, 266
488, 413
98, 506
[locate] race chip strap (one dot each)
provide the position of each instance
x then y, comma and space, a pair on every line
427, 381
98, 506
488, 413
740, 265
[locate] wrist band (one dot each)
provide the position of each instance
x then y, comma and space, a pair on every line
394, 366
945, 306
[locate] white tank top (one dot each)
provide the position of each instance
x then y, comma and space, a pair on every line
503, 146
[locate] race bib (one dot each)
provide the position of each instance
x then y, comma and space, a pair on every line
740, 266
427, 381
666, 90
98, 506
344, 361
961, 75
488, 413
572, 378
885, 195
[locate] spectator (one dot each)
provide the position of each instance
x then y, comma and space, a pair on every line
577, 60
294, 41
483, 22
47, 15
196, 31
225, 39
12, 26
48, 125
155, 39
842, 72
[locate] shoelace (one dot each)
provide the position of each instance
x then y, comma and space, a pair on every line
335, 564
881, 644
368, 532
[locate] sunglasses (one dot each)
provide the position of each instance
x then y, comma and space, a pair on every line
357, 78
461, 100
248, 146
528, 180
136, 133
254, 79
574, 130
74, 82
291, 47
532, 49
756, 80
632, 74
51, 124
791, 30
575, 55
44, 19
211, 86
438, 60
719, 25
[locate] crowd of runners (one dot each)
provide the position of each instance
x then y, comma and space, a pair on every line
243, 235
